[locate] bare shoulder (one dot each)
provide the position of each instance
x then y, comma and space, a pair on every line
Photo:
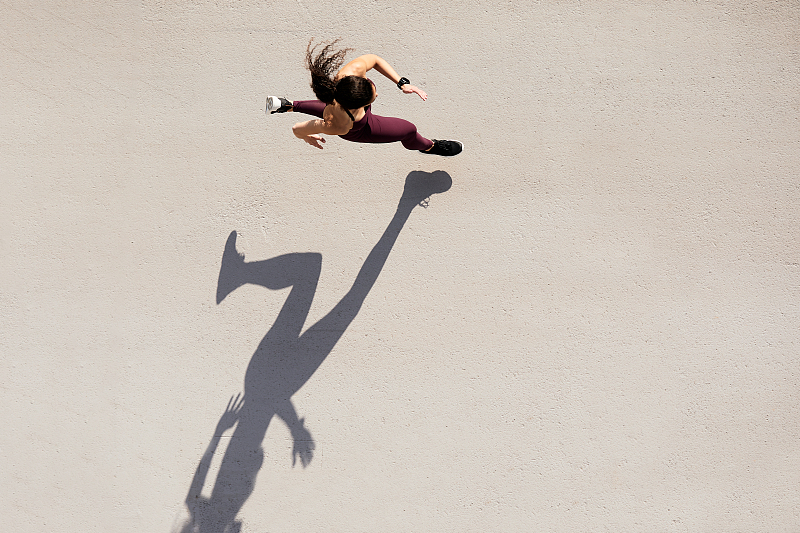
336, 121
358, 66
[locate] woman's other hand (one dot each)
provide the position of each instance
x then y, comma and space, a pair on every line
411, 89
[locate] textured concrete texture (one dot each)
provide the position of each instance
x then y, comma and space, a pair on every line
596, 328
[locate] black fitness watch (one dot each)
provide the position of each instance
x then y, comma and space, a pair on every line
402, 82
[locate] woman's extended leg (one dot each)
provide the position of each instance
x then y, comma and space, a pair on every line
381, 129
309, 107
384, 130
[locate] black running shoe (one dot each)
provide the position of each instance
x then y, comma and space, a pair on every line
446, 148
276, 104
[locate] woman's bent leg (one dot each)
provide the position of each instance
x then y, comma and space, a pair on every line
309, 107
391, 129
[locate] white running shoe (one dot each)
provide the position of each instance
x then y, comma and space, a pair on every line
276, 104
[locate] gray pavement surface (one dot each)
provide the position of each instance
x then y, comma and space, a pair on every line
594, 329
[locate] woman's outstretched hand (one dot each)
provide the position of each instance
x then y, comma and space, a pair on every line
314, 140
411, 89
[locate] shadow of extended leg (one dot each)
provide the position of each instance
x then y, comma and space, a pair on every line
298, 270
329, 329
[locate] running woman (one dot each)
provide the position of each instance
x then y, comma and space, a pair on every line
344, 104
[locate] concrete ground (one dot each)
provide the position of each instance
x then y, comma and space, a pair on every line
593, 326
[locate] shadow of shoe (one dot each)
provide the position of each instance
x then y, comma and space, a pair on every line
230, 271
421, 185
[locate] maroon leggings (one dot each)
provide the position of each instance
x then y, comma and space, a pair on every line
372, 128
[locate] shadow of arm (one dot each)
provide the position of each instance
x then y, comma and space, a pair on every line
226, 421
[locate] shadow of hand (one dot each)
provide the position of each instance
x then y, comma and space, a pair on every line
303, 445
231, 414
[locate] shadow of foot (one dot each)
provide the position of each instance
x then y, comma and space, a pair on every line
229, 272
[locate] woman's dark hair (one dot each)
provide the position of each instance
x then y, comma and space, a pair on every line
351, 92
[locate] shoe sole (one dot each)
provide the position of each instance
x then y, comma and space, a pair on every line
273, 104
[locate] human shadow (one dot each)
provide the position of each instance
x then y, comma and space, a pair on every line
285, 359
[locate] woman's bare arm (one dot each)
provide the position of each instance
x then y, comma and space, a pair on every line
363, 64
308, 131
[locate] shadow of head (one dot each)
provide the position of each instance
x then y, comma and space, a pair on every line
420, 185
